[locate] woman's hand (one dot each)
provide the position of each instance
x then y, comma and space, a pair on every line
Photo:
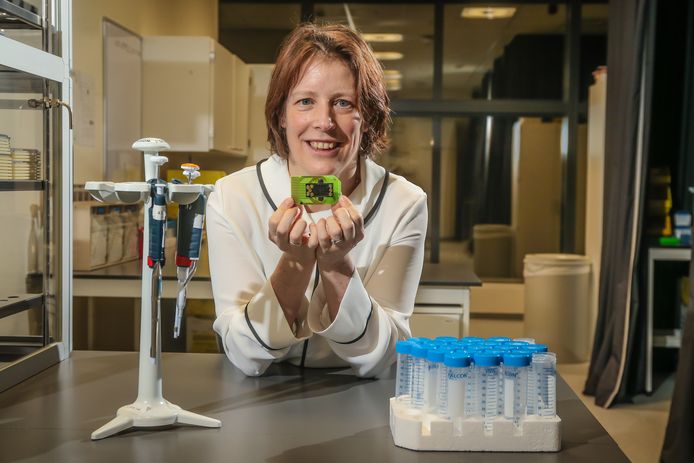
336, 236
291, 277
287, 230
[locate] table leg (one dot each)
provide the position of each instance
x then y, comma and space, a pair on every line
649, 324
466, 312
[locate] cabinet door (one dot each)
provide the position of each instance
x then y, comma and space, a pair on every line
224, 99
177, 91
430, 325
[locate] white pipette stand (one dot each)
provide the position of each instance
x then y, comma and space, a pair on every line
150, 409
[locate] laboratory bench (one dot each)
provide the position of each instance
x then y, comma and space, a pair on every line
442, 304
287, 415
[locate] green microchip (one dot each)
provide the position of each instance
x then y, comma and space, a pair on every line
324, 189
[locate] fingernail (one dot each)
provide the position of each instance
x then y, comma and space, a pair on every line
288, 202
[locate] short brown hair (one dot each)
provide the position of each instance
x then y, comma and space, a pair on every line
309, 40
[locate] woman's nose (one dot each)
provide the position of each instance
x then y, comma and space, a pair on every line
324, 121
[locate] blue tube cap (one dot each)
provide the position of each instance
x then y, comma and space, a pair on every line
517, 359
499, 339
471, 347
517, 344
436, 355
458, 360
486, 359
445, 339
536, 347
471, 339
419, 351
403, 347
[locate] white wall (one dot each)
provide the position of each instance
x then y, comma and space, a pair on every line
143, 17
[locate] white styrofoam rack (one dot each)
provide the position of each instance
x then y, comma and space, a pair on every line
415, 430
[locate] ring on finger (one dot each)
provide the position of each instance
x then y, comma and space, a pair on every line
337, 241
294, 244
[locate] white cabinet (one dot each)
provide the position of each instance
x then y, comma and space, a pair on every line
195, 95
441, 310
257, 130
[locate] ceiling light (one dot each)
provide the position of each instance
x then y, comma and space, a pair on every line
388, 55
382, 37
392, 74
487, 12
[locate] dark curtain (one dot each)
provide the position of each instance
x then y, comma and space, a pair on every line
685, 167
530, 68
617, 343
679, 441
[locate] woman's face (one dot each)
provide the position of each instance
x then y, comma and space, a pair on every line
321, 121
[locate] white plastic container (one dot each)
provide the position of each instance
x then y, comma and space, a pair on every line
557, 303
432, 380
403, 375
493, 250
515, 374
459, 401
115, 235
533, 380
487, 372
419, 371
99, 237
130, 234
545, 366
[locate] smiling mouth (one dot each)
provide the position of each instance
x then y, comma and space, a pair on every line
321, 145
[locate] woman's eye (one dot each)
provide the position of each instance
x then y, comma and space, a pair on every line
304, 101
344, 103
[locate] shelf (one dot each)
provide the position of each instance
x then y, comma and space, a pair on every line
15, 303
22, 185
671, 339
24, 341
13, 81
13, 16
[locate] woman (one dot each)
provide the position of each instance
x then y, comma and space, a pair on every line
318, 286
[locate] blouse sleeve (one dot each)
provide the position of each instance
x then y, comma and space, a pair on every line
372, 317
250, 320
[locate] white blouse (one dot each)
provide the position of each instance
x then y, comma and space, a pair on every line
375, 310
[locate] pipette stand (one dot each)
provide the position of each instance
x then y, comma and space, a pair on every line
150, 409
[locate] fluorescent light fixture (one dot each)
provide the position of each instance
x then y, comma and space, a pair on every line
393, 84
388, 55
488, 12
467, 69
392, 74
390, 38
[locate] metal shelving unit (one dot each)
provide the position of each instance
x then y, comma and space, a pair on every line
35, 279
22, 185
19, 15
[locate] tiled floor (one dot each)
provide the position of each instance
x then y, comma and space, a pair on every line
639, 428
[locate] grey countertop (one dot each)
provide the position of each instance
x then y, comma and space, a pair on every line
287, 415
